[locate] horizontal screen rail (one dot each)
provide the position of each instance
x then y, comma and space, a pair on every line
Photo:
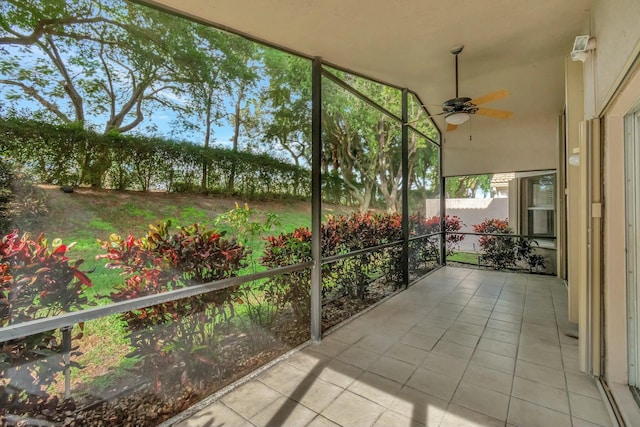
468, 233
37, 326
334, 258
425, 236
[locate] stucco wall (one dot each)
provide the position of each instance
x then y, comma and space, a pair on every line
471, 211
616, 27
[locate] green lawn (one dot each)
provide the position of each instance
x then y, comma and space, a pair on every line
464, 257
87, 216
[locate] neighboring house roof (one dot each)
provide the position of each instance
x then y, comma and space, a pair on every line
502, 179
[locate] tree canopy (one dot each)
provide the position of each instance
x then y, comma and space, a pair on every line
116, 67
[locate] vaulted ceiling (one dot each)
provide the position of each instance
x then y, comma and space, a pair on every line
517, 45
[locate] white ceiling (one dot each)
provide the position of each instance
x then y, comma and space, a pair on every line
517, 45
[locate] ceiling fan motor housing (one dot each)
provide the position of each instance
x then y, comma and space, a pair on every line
458, 105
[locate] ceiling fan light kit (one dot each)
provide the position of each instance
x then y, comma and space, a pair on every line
456, 118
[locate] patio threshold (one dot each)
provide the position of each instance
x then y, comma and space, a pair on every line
461, 347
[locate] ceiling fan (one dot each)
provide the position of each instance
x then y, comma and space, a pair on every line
458, 110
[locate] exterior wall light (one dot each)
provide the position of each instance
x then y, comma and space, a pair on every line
574, 157
582, 45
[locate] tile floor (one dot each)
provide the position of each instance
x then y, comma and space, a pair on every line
460, 348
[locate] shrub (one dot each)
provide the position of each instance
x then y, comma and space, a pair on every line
21, 202
350, 276
183, 332
35, 281
498, 251
428, 249
501, 252
291, 289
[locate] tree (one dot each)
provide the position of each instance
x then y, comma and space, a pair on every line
243, 82
286, 118
468, 186
212, 64
105, 65
365, 146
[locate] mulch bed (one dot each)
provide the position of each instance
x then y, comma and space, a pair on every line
140, 405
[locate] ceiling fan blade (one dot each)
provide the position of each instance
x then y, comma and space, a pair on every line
498, 114
493, 96
451, 127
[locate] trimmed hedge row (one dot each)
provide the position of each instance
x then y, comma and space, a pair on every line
71, 155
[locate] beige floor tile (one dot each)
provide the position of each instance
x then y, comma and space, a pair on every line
392, 369
541, 394
461, 338
330, 347
358, 357
340, 373
437, 321
541, 319
549, 341
577, 422
503, 326
348, 335
541, 374
571, 365
582, 384
474, 320
316, 394
483, 400
283, 412
419, 406
494, 361
543, 358
444, 364
474, 311
508, 308
343, 410
454, 350
569, 350
444, 313
371, 357
377, 343
433, 383
459, 416
473, 303
429, 330
407, 353
250, 399
376, 388
393, 419
423, 342
526, 414
320, 421
308, 360
488, 378
284, 378
502, 336
215, 415
498, 347
589, 409
467, 328
506, 317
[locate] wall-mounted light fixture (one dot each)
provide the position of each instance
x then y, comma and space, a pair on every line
582, 45
574, 157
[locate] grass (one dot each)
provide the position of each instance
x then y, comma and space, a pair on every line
464, 257
87, 216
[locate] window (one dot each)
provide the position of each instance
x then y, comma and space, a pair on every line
540, 205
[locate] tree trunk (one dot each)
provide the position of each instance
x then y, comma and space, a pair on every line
207, 139
236, 136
